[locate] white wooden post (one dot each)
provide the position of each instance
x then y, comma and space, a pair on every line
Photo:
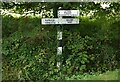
59, 38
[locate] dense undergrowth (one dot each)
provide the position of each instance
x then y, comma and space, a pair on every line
29, 48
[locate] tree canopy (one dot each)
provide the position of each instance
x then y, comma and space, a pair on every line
84, 7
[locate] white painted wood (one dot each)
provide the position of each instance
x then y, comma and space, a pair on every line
59, 35
68, 12
50, 21
59, 51
70, 21
58, 64
46, 21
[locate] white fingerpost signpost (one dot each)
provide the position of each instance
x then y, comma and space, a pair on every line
60, 20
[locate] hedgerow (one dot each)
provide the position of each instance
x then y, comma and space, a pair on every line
29, 48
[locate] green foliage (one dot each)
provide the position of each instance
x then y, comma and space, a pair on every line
29, 48
76, 48
84, 7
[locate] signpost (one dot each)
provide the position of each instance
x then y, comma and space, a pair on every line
60, 20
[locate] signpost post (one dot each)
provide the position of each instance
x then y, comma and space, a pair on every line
60, 20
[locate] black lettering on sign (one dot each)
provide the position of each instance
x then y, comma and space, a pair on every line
69, 20
49, 20
67, 12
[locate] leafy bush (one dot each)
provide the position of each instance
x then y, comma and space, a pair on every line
76, 49
29, 49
